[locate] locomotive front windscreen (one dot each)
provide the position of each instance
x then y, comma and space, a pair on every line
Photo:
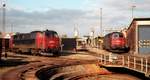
117, 35
51, 34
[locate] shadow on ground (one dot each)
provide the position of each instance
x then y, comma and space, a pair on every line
12, 62
122, 70
67, 53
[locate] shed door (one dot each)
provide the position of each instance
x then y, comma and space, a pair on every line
144, 39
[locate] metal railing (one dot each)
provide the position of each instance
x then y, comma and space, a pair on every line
140, 64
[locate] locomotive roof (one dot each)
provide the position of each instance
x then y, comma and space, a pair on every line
21, 34
49, 31
43, 31
36, 32
112, 33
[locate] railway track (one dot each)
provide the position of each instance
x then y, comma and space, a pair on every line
71, 72
81, 72
19, 72
28, 71
58, 68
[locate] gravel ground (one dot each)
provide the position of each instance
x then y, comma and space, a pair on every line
111, 77
14, 60
80, 56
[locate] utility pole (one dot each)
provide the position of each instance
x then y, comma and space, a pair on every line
11, 25
133, 7
101, 32
3, 28
101, 27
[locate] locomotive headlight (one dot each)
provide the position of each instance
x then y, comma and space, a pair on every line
51, 42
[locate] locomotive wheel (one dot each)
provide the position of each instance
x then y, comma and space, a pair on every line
19, 52
39, 52
56, 54
33, 52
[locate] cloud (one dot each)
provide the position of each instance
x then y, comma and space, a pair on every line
116, 13
62, 20
120, 9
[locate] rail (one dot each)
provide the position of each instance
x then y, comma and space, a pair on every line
140, 64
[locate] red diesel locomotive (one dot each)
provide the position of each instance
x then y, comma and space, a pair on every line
36, 42
115, 42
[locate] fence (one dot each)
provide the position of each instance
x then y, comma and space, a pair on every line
140, 64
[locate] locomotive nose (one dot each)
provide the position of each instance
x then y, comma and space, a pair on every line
51, 43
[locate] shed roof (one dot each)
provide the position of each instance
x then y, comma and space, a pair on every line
141, 19
138, 19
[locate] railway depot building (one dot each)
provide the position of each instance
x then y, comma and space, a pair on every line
138, 36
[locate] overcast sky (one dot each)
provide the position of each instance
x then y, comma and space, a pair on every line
64, 15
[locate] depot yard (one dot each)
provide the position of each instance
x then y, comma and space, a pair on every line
68, 66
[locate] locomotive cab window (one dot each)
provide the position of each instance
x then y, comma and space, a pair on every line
55, 35
51, 34
116, 35
23, 37
32, 36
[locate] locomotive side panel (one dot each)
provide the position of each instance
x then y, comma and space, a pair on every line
36, 42
24, 42
39, 41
